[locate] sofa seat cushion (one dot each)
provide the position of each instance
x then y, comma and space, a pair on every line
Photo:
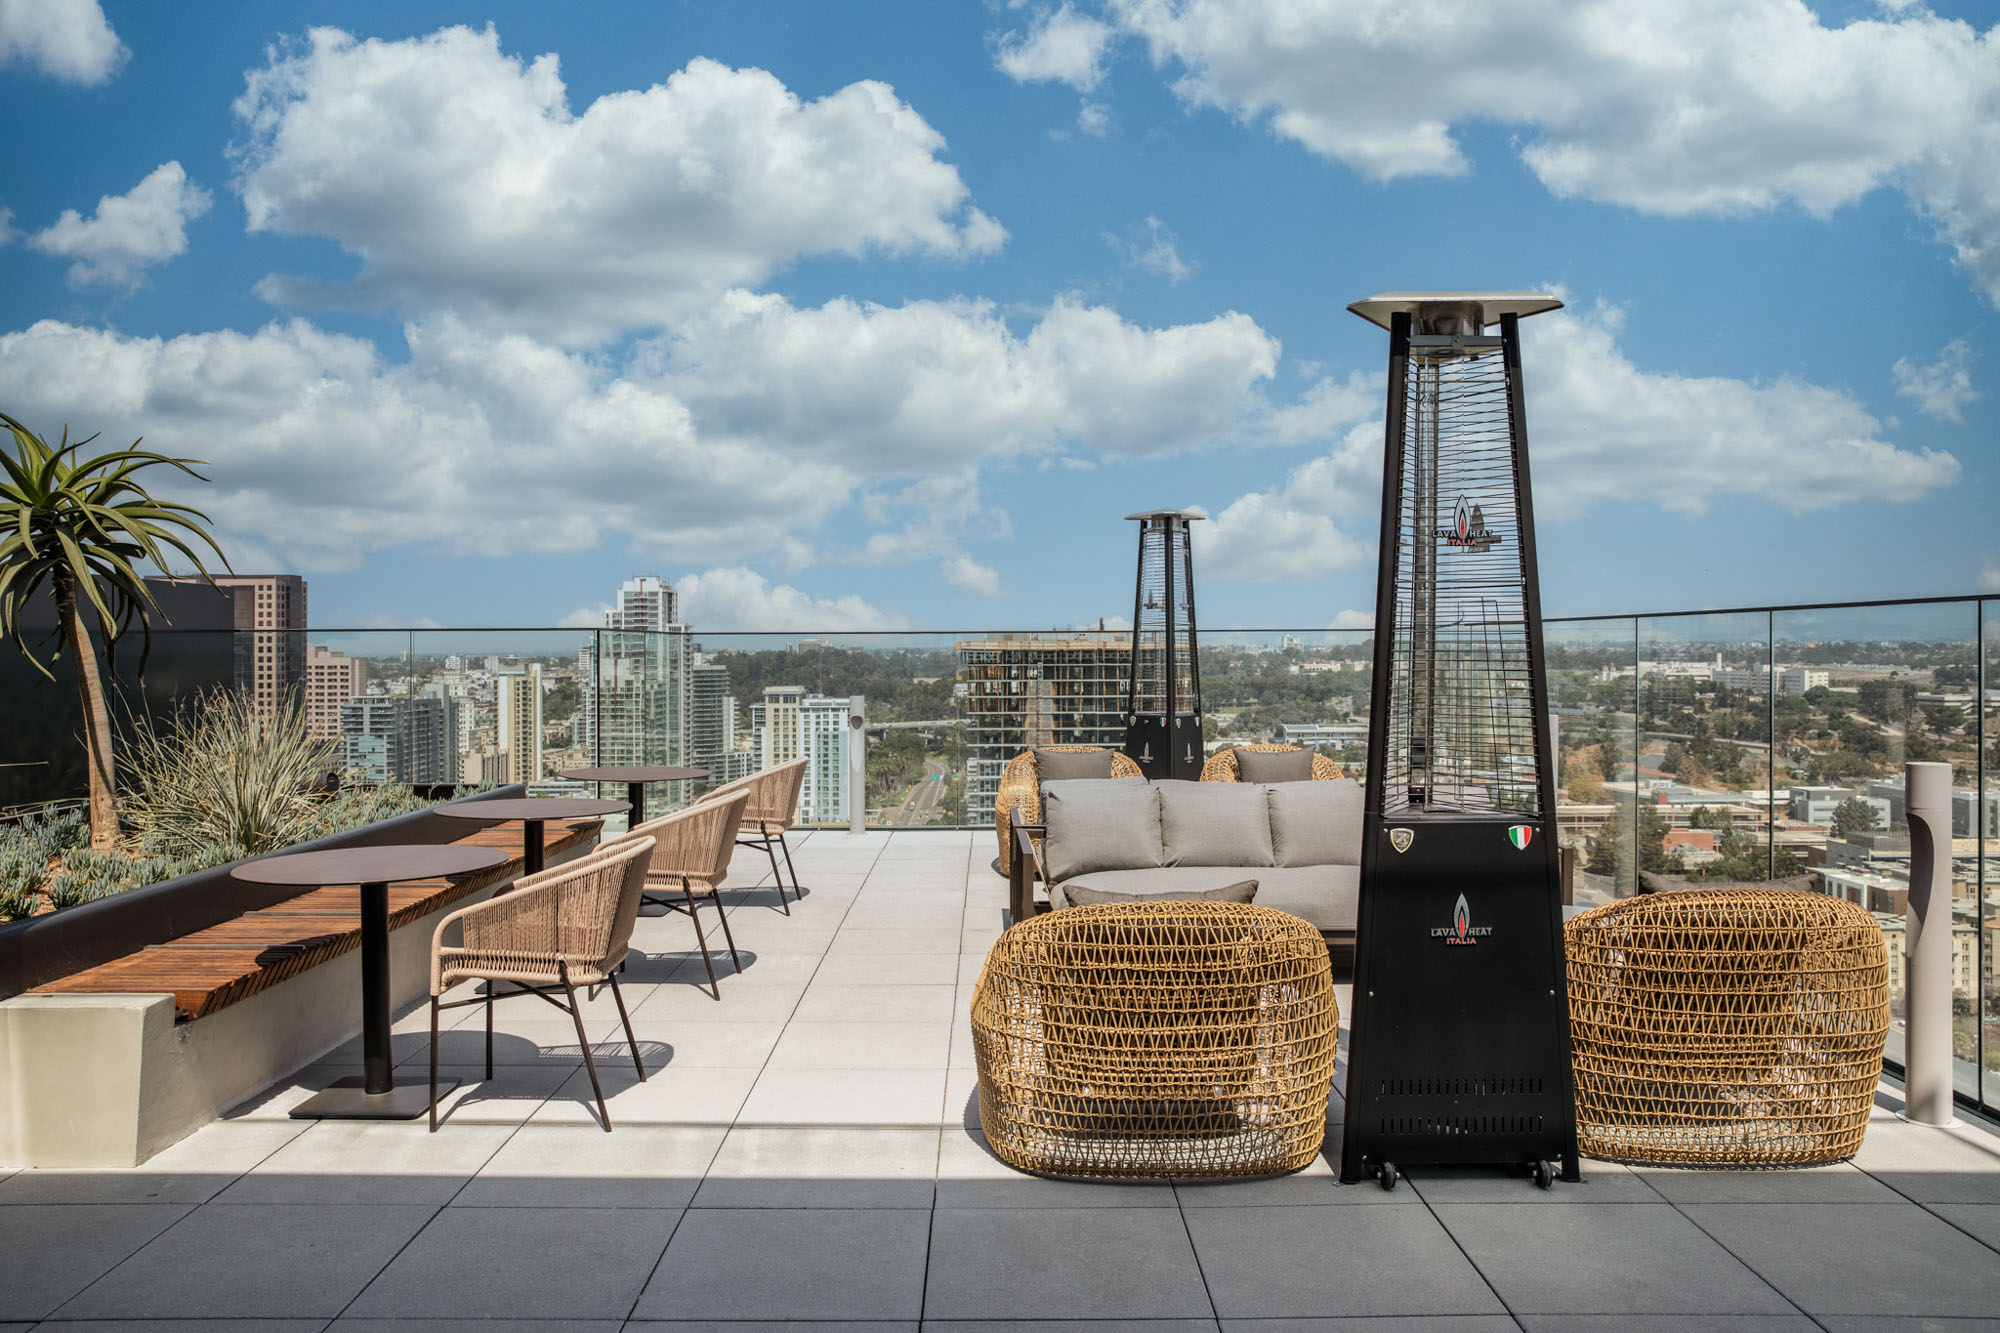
1078, 893
1213, 824
1315, 823
1327, 896
1099, 824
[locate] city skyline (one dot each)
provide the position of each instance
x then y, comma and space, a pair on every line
1099, 264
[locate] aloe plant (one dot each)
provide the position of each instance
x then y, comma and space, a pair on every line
78, 525
221, 772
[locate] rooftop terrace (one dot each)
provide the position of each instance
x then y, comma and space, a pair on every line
808, 1149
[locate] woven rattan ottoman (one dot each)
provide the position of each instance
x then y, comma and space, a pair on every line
1156, 1039
1729, 1027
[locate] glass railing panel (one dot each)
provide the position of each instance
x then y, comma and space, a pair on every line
494, 707
1308, 688
1593, 692
1983, 825
1877, 686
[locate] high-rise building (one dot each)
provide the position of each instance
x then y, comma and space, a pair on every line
638, 703
399, 739
778, 739
331, 680
517, 711
712, 727
645, 603
1021, 691
823, 733
270, 636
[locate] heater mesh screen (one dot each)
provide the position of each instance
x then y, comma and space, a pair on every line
1163, 542
1461, 717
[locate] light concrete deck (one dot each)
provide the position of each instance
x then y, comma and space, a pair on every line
807, 1150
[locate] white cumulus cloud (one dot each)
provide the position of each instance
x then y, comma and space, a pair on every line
1060, 46
1664, 106
1152, 249
1942, 388
732, 597
65, 39
129, 232
462, 180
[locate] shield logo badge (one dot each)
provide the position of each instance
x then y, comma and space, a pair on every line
1521, 835
1400, 838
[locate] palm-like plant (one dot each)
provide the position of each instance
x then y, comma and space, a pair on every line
78, 525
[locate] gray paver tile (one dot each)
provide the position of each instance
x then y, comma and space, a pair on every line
1073, 1325
1916, 1264
686, 1043
784, 1167
780, 1263
1838, 1183
586, 1263
1666, 1323
181, 1326
1317, 1183
1932, 1165
773, 1326
580, 1166
474, 1326
1605, 1258
877, 1004
1291, 1262
898, 969
669, 1096
1863, 1323
1458, 1323
510, 1097
191, 1171
362, 1161
1979, 1220
846, 1097
809, 1045
254, 1261
1603, 1182
970, 1176
71, 1246
1052, 1263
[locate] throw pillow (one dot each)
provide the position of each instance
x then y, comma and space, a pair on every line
1274, 765
1213, 824
1067, 766
1316, 823
1652, 883
1243, 892
1099, 824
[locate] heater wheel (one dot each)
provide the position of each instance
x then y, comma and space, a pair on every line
1386, 1173
1545, 1174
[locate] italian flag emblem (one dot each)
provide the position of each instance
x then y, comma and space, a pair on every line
1521, 835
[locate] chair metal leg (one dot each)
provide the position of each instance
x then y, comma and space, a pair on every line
489, 1029
777, 877
716, 898
630, 1041
688, 893
788, 863
590, 1065
434, 1064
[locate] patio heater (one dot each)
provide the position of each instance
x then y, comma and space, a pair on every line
1163, 687
1460, 1048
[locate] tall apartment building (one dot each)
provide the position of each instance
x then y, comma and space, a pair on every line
712, 727
331, 680
1025, 690
638, 680
778, 737
517, 713
823, 740
270, 636
401, 739
644, 603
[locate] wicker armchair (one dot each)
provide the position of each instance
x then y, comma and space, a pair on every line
1156, 1039
1739, 1027
773, 808
1223, 768
1021, 786
690, 857
555, 931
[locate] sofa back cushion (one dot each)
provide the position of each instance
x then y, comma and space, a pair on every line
1099, 824
1274, 765
1070, 765
1213, 824
1315, 823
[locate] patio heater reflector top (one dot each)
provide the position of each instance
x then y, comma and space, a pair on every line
1187, 514
1454, 312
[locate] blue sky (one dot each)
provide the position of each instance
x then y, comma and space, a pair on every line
884, 315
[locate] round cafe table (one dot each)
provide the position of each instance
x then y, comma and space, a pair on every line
531, 811
635, 777
373, 1095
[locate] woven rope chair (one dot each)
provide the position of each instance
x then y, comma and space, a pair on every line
1222, 766
555, 931
1156, 1039
773, 808
690, 857
1739, 1027
1021, 785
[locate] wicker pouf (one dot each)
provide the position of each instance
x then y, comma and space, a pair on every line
1730, 1027
1156, 1039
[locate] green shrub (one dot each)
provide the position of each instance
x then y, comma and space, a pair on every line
217, 773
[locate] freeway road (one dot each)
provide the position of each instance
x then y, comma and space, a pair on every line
921, 804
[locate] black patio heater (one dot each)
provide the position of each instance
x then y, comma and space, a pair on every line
1460, 1046
1163, 689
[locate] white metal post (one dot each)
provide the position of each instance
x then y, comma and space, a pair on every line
1927, 947
857, 764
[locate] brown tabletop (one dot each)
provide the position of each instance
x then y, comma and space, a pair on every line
531, 811
373, 1095
635, 777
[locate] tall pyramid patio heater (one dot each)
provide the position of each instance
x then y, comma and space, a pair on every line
1163, 690
1460, 1047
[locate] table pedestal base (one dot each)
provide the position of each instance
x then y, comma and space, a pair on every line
345, 1099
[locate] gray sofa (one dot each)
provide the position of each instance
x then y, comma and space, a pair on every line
1301, 842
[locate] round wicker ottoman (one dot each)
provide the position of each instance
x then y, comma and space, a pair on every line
1156, 1039
1727, 1027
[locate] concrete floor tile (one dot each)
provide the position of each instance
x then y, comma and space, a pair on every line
672, 1042
580, 1166
54, 1251
668, 1097
585, 1263
1837, 1183
1605, 1258
741, 1002
1053, 1263
854, 1046
773, 1326
846, 1097
778, 1263
782, 1167
1981, 1221
1916, 1264
192, 1171
1867, 1323
1666, 1323
961, 1097
369, 1162
893, 943
473, 1326
314, 1325
890, 969
1932, 1165
1462, 1323
970, 1176
1292, 1262
1073, 1325
824, 1003
254, 1261
510, 1097
1603, 1182
1315, 1184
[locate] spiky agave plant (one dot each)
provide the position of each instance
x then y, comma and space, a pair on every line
79, 525
221, 773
